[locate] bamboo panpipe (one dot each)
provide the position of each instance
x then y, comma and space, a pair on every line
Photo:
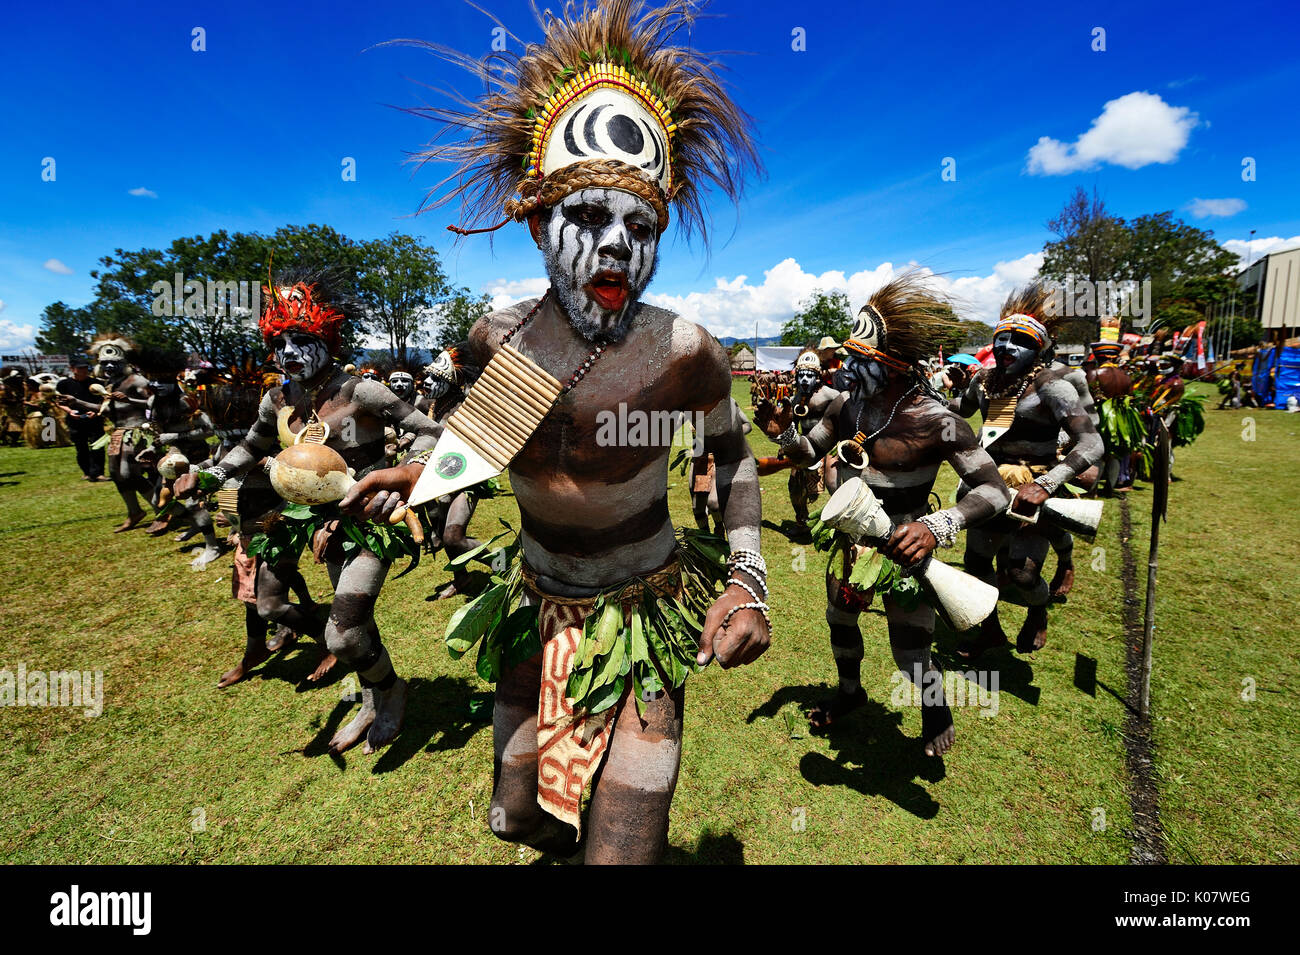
503, 410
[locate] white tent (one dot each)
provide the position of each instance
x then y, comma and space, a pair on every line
775, 358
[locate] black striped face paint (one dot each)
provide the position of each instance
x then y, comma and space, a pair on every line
862, 377
600, 247
300, 356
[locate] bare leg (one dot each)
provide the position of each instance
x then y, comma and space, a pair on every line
352, 636
982, 547
846, 647
255, 651
628, 816
1027, 552
1062, 542
515, 815
454, 539
910, 634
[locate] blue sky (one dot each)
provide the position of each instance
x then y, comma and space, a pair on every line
854, 130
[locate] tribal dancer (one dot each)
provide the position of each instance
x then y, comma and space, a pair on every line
891, 430
448, 378
12, 413
811, 401
125, 405
1061, 540
602, 128
182, 431
1025, 405
84, 423
301, 325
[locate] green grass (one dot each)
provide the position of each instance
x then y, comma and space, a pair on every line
1018, 787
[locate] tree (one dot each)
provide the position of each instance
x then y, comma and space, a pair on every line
400, 281
1170, 253
824, 313
1091, 243
64, 330
457, 315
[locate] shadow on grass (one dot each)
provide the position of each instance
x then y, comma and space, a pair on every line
712, 848
476, 581
872, 754
1015, 674
437, 720
790, 531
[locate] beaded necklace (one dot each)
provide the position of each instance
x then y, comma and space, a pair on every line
581, 371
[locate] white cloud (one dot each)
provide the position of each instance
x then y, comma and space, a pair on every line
16, 337
1204, 208
2, 305
142, 191
57, 267
733, 306
1133, 131
1250, 250
505, 293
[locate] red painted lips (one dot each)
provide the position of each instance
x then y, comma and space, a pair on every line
609, 289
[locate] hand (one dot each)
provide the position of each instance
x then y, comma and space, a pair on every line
745, 637
379, 493
117, 395
321, 539
185, 485
910, 544
774, 417
1029, 498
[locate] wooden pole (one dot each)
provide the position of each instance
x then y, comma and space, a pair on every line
1159, 509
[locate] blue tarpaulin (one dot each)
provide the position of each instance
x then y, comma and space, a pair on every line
1287, 381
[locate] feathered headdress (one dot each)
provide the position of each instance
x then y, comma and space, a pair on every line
1030, 309
306, 301
606, 100
449, 365
111, 347
904, 321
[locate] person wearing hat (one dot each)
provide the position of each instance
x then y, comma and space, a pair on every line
829, 353
84, 422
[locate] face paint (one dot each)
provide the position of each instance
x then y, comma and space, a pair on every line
1014, 353
807, 380
112, 369
863, 377
401, 384
301, 356
600, 247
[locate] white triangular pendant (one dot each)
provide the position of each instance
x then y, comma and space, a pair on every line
454, 466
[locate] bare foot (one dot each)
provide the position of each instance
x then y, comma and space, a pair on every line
451, 590
242, 669
283, 639
206, 556
185, 535
157, 527
937, 729
1033, 635
1062, 581
991, 637
326, 664
390, 707
351, 734
826, 713
129, 523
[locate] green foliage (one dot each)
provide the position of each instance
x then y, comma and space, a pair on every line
825, 313
64, 330
1189, 421
399, 280
457, 315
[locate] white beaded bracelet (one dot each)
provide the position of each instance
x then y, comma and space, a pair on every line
943, 526
758, 605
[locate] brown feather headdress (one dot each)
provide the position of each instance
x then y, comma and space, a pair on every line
905, 321
606, 99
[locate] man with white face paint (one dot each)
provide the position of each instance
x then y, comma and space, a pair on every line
126, 405
811, 401
301, 324
605, 148
1025, 406
891, 430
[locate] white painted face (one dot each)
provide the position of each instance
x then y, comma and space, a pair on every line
402, 385
300, 355
600, 247
807, 380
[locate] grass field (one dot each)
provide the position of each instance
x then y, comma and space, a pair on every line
176, 771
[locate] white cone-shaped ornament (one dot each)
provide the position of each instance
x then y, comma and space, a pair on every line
963, 600
1074, 515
